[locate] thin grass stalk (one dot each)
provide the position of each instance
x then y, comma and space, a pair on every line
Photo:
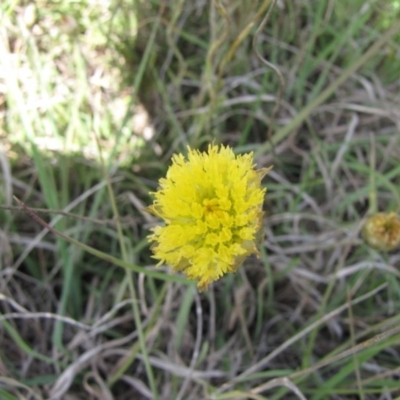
307, 110
132, 290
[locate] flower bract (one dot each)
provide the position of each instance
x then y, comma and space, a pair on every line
211, 203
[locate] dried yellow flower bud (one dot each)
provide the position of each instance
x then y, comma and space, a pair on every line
382, 231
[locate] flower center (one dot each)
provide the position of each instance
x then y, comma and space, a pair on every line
210, 206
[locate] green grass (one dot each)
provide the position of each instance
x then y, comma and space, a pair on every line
96, 97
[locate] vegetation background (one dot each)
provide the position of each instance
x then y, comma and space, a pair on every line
95, 97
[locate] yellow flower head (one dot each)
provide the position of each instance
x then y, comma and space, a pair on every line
382, 231
212, 207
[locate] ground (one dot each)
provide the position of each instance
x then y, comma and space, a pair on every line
96, 97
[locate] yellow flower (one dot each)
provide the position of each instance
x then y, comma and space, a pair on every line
212, 207
382, 231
